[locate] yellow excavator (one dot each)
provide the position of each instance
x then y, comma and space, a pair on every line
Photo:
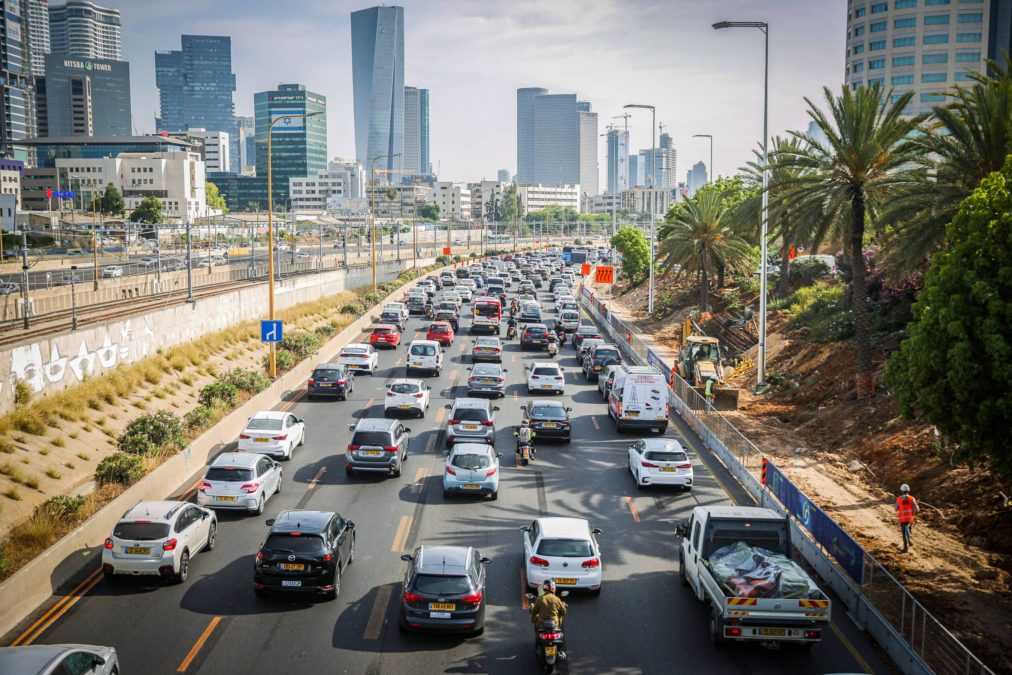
699, 362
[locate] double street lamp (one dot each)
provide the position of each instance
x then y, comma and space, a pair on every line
653, 194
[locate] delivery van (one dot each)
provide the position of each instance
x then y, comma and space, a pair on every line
639, 399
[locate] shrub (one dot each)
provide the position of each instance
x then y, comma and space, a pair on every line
197, 418
22, 393
283, 358
151, 433
444, 260
748, 286
301, 343
219, 394
372, 298
807, 270
247, 380
61, 506
325, 330
353, 308
5, 564
29, 421
119, 468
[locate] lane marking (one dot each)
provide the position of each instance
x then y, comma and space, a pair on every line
296, 399
317, 477
401, 537
58, 610
632, 509
198, 644
420, 475
191, 491
379, 608
515, 397
453, 374
440, 414
369, 404
593, 419
850, 648
418, 334
513, 358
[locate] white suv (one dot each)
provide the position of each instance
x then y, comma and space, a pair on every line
158, 539
240, 480
546, 377
565, 550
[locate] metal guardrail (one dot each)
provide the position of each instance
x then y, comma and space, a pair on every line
915, 640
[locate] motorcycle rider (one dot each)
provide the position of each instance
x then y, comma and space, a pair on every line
525, 436
548, 607
514, 306
560, 331
553, 344
511, 328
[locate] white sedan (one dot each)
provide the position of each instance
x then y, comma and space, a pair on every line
398, 307
406, 396
660, 461
273, 433
112, 271
359, 356
545, 377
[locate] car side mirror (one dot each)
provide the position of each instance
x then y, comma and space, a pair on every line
681, 530
351, 427
446, 453
485, 561
597, 530
447, 406
270, 522
498, 455
569, 410
525, 528
97, 660
471, 368
406, 430
205, 515
407, 557
351, 525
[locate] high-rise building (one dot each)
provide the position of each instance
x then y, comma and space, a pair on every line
618, 160
246, 127
556, 140
16, 110
696, 177
669, 163
38, 35
416, 131
216, 148
83, 97
525, 132
85, 30
298, 144
377, 64
590, 179
999, 29
635, 171
503, 175
195, 88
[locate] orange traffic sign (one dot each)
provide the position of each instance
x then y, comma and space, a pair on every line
584, 269
446, 250
605, 275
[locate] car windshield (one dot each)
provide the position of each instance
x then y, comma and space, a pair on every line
601, 353
565, 548
486, 309
588, 330
485, 371
353, 351
547, 411
326, 373
423, 350
141, 531
470, 415
263, 424
380, 438
438, 329
229, 474
486, 342
438, 584
546, 370
387, 316
666, 456
380, 331
471, 461
404, 388
294, 543
570, 315
537, 328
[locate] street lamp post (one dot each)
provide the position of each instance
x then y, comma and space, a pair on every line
372, 206
712, 173
653, 196
764, 27
73, 297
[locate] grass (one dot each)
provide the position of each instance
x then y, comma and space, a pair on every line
32, 483
12, 493
69, 465
12, 472
44, 451
54, 474
74, 435
58, 442
83, 456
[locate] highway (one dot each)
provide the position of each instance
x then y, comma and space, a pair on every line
643, 621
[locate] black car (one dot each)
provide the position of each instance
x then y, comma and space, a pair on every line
305, 552
448, 315
534, 335
416, 304
444, 590
585, 331
548, 419
598, 360
393, 318
330, 379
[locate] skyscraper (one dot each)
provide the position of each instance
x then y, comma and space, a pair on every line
416, 131
525, 132
590, 180
195, 88
298, 145
16, 122
696, 177
503, 175
377, 64
83, 97
669, 163
556, 140
247, 142
38, 35
618, 160
635, 171
85, 30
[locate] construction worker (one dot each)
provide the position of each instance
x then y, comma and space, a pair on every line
708, 391
906, 507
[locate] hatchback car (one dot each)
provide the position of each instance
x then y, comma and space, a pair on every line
158, 538
444, 590
660, 461
240, 480
548, 419
487, 378
471, 468
393, 318
585, 346
534, 336
406, 396
112, 271
486, 349
304, 552
416, 304
471, 420
60, 659
425, 355
530, 311
385, 334
564, 550
441, 332
274, 433
398, 307
359, 356
330, 379
449, 316
377, 445
585, 331
570, 319
568, 306
598, 358
605, 380
545, 377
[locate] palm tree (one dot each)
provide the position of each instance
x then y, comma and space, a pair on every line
866, 158
700, 237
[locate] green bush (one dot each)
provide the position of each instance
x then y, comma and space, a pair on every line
283, 359
119, 468
325, 330
22, 393
247, 380
62, 506
443, 260
198, 418
300, 343
748, 286
808, 270
353, 308
220, 394
824, 310
152, 433
372, 298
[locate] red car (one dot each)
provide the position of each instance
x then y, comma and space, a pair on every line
441, 332
385, 334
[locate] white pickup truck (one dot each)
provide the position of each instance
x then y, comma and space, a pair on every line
736, 559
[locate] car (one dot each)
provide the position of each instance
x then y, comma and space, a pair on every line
112, 271
585, 346
397, 307
158, 538
393, 318
564, 550
359, 356
487, 349
561, 291
570, 319
453, 296
416, 304
605, 380
463, 291
545, 377
548, 419
385, 334
426, 355
660, 461
448, 281
444, 590
568, 306
59, 659
272, 432
304, 552
599, 357
563, 299
530, 311
331, 379
487, 378
441, 332
69, 279
8, 287
240, 480
471, 468
377, 445
534, 335
406, 395
470, 420
435, 280
449, 316
585, 331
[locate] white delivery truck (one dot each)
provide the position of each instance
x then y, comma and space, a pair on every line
639, 399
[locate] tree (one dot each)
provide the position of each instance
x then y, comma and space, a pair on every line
867, 158
214, 198
955, 367
510, 206
149, 211
429, 212
112, 202
252, 206
632, 244
701, 238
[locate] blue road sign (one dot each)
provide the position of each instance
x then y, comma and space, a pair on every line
271, 331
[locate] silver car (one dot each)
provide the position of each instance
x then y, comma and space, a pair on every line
240, 480
472, 420
487, 378
59, 659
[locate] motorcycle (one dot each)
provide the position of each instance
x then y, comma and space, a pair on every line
549, 641
553, 349
561, 335
511, 333
429, 312
525, 454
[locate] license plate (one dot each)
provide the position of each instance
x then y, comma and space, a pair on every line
137, 550
292, 566
550, 425
776, 632
442, 605
371, 452
669, 468
291, 582
546, 386
226, 499
565, 581
439, 615
471, 427
550, 650
262, 440
537, 342
325, 384
597, 367
404, 406
633, 413
471, 487
486, 382
416, 363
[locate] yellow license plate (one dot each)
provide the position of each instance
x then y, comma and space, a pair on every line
551, 425
546, 386
371, 452
138, 550
550, 650
471, 427
226, 499
324, 384
471, 487
776, 632
292, 566
633, 413
565, 581
262, 440
669, 468
442, 605
403, 406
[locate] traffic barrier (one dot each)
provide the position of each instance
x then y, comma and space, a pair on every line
764, 469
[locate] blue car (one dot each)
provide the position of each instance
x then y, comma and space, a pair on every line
530, 312
471, 468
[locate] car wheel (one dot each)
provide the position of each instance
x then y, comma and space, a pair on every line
277, 490
681, 571
212, 535
716, 630
351, 551
184, 568
495, 495
349, 471
302, 438
109, 575
595, 592
259, 592
309, 397
397, 472
260, 506
332, 594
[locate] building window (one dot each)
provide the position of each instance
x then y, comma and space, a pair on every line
876, 80
902, 79
876, 64
896, 97
963, 57
859, 12
932, 97
964, 76
976, 17
877, 45
936, 2
879, 7
935, 58
970, 2
936, 39
905, 22
933, 77
879, 26
859, 66
967, 37
905, 60
858, 49
906, 41
905, 4
936, 20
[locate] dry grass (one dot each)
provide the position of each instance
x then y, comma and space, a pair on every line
69, 465
58, 442
13, 494
54, 474
32, 483
12, 472
83, 456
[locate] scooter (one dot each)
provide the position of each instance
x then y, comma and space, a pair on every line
525, 454
553, 349
511, 333
548, 643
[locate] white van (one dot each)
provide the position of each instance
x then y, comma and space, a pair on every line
639, 399
424, 355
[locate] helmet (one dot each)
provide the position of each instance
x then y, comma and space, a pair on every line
549, 586
904, 488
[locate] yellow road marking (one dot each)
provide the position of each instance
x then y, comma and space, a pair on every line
453, 373
421, 474
372, 629
440, 414
513, 358
593, 419
401, 537
632, 509
289, 404
397, 362
850, 648
515, 397
192, 490
200, 643
58, 610
316, 478
367, 405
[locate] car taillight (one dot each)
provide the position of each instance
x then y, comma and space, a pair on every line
498, 379
450, 471
593, 562
649, 465
260, 556
491, 473
354, 447
684, 466
108, 543
311, 383
527, 333
340, 381
390, 448
474, 599
390, 393
558, 378
280, 438
204, 484
486, 424
497, 350
540, 562
324, 558
732, 632
169, 545
454, 422
419, 395
813, 634
412, 597
250, 488
243, 436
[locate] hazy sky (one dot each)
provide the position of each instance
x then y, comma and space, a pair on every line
472, 55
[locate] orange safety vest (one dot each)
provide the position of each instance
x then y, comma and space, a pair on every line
906, 508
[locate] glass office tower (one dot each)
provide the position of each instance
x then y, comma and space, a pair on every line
416, 131
298, 145
525, 132
377, 63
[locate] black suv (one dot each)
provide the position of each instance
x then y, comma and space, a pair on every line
534, 335
444, 590
330, 379
305, 551
416, 304
585, 331
598, 359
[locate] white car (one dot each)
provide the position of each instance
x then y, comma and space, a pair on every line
112, 271
359, 356
564, 550
398, 307
570, 319
569, 304
240, 480
452, 295
158, 539
274, 433
470, 284
424, 355
546, 377
660, 461
464, 292
406, 396
561, 291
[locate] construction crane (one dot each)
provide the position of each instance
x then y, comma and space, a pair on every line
624, 116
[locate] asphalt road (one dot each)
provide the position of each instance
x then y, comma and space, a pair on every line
643, 621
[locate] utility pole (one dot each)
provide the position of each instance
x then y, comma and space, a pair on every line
73, 297
189, 263
24, 274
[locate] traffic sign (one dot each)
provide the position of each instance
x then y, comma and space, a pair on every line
271, 331
446, 250
605, 275
584, 269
